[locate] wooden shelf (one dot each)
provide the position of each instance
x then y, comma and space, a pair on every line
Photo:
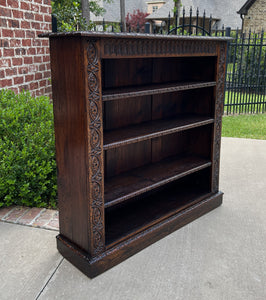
138, 181
127, 220
148, 130
135, 91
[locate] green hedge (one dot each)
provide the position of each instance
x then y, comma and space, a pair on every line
27, 151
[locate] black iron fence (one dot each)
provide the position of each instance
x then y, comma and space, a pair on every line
246, 78
245, 85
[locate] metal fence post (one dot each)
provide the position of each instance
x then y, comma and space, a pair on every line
147, 27
228, 31
54, 23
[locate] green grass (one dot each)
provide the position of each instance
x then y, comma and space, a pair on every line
245, 126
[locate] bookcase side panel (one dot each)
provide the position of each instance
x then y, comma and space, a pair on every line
70, 129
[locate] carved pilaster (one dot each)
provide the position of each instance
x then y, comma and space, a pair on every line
95, 140
218, 117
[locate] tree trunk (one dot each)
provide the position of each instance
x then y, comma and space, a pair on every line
85, 10
177, 12
123, 15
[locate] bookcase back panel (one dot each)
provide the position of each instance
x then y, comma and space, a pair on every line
124, 112
132, 72
125, 158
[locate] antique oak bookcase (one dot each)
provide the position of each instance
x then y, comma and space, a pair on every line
138, 130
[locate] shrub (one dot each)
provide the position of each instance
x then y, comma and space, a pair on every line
27, 151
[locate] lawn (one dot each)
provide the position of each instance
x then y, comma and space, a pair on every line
245, 126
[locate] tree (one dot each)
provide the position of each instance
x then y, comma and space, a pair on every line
135, 20
177, 7
74, 15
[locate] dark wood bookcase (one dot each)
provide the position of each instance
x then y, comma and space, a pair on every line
138, 130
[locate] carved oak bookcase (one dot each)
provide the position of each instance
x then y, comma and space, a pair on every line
138, 131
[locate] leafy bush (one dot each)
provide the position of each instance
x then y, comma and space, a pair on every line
27, 151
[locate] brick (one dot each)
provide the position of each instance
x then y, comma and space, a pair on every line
4, 211
37, 59
19, 33
17, 14
23, 70
5, 83
30, 215
38, 76
3, 2
35, 25
11, 72
25, 5
9, 52
33, 85
48, 18
13, 23
4, 63
5, 12
44, 10
45, 43
19, 80
45, 217
15, 43
31, 51
20, 51
7, 33
24, 87
28, 60
26, 43
2, 74
35, 8
29, 78
33, 68
16, 213
17, 61
25, 24
46, 58
30, 34
37, 42
4, 43
53, 224
40, 50
12, 3
47, 2
47, 74
42, 67
42, 83
3, 23
38, 17
29, 16
38, 1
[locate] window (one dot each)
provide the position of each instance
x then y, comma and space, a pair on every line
154, 8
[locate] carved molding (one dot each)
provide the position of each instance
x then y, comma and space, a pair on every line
118, 47
218, 117
95, 135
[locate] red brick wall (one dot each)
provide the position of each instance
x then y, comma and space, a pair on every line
24, 58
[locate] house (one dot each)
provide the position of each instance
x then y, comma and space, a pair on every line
223, 12
253, 15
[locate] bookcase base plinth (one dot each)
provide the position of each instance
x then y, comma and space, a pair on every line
118, 253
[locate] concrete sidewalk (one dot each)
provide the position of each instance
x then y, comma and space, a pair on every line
222, 255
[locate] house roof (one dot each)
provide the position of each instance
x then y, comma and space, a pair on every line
112, 13
244, 9
163, 12
225, 10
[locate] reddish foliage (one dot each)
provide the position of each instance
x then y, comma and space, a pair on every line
135, 19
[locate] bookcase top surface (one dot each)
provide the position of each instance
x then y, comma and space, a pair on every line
103, 35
